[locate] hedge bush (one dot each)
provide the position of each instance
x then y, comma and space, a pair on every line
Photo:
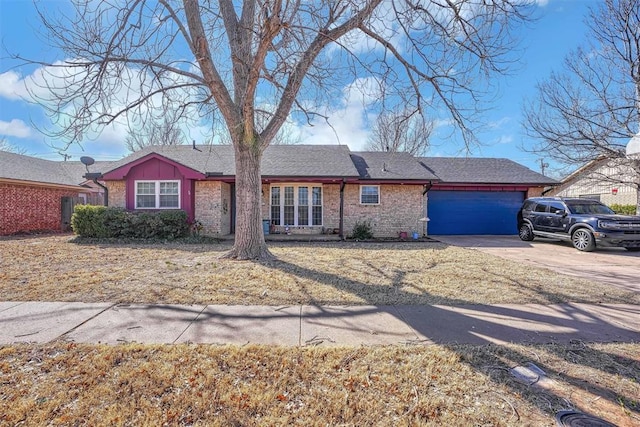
624, 209
110, 222
362, 231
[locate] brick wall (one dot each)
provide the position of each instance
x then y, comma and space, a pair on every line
399, 210
331, 206
535, 191
213, 207
117, 193
25, 208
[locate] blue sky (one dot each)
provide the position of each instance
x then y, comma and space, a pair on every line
559, 29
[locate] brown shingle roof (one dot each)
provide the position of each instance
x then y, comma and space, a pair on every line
31, 169
475, 170
380, 165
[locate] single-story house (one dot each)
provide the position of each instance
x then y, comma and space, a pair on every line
39, 195
606, 180
313, 189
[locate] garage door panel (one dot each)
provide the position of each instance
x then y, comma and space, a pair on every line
473, 212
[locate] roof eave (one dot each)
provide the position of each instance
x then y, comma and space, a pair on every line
497, 184
413, 181
41, 184
297, 178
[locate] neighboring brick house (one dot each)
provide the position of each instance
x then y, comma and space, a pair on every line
38, 195
608, 181
313, 189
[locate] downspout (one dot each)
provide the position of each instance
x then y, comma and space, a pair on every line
342, 184
94, 177
425, 189
106, 191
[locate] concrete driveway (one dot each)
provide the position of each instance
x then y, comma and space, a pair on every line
614, 266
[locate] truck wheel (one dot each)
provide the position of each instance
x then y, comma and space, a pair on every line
583, 240
526, 233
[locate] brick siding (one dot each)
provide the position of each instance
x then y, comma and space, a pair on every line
213, 207
117, 193
400, 208
26, 208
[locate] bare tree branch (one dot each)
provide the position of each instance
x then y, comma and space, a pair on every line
590, 110
261, 63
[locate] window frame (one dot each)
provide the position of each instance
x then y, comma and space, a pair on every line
296, 206
156, 194
377, 187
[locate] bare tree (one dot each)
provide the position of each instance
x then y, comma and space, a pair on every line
236, 60
155, 131
590, 110
7, 146
401, 131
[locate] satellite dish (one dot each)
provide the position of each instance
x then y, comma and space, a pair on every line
87, 161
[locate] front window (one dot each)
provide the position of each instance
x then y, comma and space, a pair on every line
370, 194
275, 205
299, 205
157, 194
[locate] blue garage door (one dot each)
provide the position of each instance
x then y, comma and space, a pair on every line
473, 212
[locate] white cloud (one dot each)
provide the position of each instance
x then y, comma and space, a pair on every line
16, 128
348, 121
504, 139
12, 86
498, 124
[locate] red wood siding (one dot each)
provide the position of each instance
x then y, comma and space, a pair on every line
25, 208
156, 169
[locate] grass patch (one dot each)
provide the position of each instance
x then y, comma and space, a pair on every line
69, 384
53, 268
187, 240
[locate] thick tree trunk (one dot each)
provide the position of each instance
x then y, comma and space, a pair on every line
249, 239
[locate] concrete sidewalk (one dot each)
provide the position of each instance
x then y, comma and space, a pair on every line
41, 322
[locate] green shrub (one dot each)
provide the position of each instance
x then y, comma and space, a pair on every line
88, 221
115, 222
110, 222
174, 223
362, 231
624, 209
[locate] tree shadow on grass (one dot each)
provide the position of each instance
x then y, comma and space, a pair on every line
493, 327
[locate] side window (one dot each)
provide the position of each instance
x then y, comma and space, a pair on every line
529, 205
555, 207
370, 194
541, 207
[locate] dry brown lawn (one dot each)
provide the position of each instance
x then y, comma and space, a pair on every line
53, 268
69, 384
63, 383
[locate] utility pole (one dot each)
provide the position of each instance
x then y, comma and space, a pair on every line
65, 155
543, 166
